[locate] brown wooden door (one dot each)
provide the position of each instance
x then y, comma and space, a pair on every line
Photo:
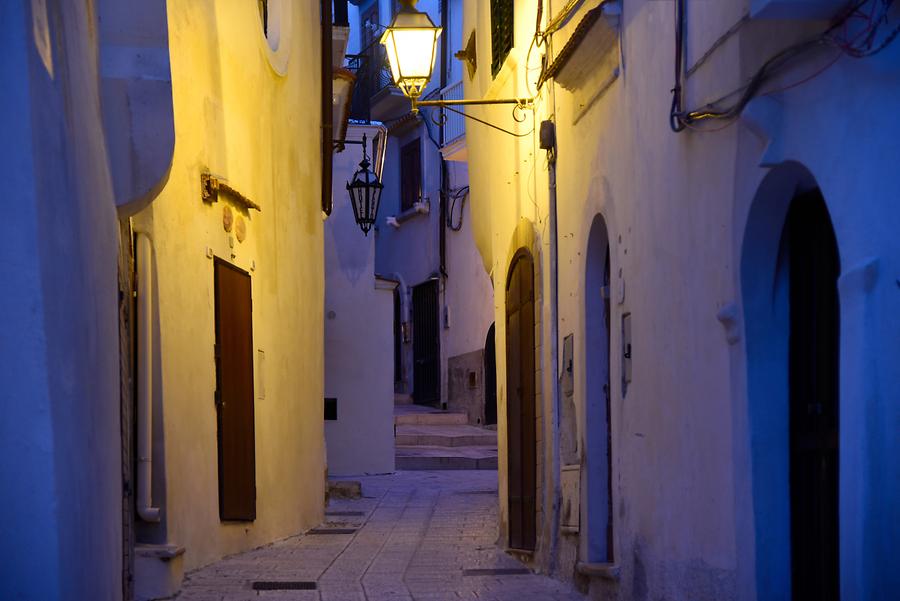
814, 367
520, 385
234, 393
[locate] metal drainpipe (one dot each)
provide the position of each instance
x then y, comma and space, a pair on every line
327, 109
548, 143
144, 418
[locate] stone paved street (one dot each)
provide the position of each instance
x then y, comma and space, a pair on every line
418, 535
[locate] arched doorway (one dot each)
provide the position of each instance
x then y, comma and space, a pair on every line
813, 264
520, 406
597, 475
490, 378
789, 272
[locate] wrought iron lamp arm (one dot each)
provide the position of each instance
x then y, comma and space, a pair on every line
519, 102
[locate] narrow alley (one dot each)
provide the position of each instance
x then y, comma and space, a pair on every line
417, 535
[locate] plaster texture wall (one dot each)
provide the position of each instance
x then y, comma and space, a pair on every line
59, 436
246, 112
359, 339
693, 515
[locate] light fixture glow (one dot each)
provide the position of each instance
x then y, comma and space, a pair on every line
411, 45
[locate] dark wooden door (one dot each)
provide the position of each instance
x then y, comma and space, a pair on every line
520, 386
426, 344
490, 378
234, 393
814, 368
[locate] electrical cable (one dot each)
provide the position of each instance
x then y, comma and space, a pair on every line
460, 195
680, 119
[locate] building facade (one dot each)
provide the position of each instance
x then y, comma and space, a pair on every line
231, 254
163, 361
695, 333
359, 340
423, 238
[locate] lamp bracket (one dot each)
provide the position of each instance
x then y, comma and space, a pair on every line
519, 102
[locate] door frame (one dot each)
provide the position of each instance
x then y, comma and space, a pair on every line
251, 516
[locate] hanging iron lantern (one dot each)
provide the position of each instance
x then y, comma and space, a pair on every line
365, 193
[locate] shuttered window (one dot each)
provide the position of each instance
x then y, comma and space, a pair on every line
502, 33
410, 174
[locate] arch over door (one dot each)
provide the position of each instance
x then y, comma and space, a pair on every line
520, 406
597, 477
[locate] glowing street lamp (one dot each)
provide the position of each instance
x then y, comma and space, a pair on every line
411, 45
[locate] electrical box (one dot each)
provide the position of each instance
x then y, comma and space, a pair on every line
330, 409
568, 361
626, 352
811, 10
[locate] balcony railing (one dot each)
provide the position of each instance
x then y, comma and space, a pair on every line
372, 76
454, 124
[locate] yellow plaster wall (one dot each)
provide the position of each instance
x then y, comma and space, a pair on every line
252, 117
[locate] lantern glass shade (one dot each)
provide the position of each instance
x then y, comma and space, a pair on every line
365, 195
411, 46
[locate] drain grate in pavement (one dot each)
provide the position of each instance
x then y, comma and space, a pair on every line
347, 513
303, 585
497, 572
477, 492
332, 531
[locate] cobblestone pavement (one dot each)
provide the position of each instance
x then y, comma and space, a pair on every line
419, 534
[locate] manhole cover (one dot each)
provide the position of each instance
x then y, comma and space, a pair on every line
304, 585
497, 572
332, 531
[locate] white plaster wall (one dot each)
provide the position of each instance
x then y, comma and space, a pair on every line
676, 209
359, 338
250, 115
61, 511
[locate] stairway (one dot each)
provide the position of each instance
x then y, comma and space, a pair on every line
430, 439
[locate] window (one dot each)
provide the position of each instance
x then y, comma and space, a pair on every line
502, 33
264, 15
410, 174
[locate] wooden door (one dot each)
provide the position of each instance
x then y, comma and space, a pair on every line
814, 407
490, 378
234, 393
520, 386
426, 344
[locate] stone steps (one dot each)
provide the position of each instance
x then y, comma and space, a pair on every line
413, 458
429, 439
444, 436
431, 418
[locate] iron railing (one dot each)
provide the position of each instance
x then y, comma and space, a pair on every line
454, 124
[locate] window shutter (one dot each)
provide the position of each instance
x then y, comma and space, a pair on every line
502, 33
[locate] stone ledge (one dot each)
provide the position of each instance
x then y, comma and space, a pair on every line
605, 571
163, 552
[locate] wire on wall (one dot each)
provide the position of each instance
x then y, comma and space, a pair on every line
856, 32
457, 197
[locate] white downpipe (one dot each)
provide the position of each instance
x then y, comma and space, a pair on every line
145, 508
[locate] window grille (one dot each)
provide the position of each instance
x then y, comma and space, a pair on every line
502, 33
